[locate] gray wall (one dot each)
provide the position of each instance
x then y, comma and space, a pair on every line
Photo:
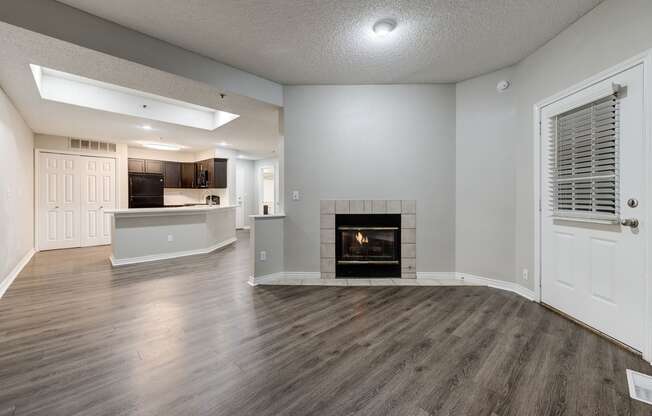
611, 33
370, 142
16, 190
267, 235
485, 177
245, 172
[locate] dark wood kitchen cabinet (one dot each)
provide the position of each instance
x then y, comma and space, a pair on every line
136, 165
188, 172
154, 166
172, 174
215, 172
219, 174
145, 166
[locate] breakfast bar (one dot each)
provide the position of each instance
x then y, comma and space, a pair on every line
148, 234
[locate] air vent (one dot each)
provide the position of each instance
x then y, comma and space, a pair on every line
640, 386
92, 145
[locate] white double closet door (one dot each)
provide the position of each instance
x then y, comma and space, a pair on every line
74, 193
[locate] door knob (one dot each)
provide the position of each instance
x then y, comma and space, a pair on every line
630, 222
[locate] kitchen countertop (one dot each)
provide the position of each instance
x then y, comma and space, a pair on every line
162, 211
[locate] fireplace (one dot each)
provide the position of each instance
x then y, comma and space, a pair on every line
367, 245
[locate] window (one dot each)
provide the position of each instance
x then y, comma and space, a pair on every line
584, 162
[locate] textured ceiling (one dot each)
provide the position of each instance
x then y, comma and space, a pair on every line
255, 132
330, 41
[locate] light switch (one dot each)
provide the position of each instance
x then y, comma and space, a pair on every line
295, 195
263, 255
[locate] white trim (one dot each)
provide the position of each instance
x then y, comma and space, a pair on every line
37, 154
255, 281
165, 256
479, 281
443, 276
437, 275
499, 284
644, 59
302, 275
13, 274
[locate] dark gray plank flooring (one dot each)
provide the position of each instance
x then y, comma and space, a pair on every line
189, 337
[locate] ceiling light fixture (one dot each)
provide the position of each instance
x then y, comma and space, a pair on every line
384, 27
225, 144
162, 146
147, 127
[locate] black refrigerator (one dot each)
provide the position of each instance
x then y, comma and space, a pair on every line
145, 190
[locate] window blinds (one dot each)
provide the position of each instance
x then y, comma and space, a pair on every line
584, 162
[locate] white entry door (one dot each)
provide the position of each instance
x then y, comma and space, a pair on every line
59, 199
97, 196
593, 179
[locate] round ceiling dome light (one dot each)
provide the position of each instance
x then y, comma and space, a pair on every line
384, 27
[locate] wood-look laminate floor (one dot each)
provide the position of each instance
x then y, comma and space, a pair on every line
190, 337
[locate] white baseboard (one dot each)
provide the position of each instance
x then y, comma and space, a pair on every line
480, 280
301, 275
13, 274
437, 275
499, 284
255, 281
477, 280
165, 256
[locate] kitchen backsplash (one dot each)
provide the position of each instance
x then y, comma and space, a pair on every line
173, 196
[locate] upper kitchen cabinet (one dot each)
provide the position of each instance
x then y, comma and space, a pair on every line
136, 165
154, 166
219, 174
145, 166
212, 173
188, 175
172, 174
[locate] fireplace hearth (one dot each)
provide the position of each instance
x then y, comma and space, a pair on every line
367, 245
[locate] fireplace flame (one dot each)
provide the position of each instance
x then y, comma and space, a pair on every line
361, 238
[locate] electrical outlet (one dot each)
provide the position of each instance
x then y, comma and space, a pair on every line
295, 195
170, 238
263, 255
525, 274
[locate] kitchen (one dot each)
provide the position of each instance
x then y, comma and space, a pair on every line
148, 202
156, 227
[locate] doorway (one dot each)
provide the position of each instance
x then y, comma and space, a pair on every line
593, 206
267, 192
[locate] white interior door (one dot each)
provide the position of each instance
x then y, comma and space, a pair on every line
595, 271
59, 201
240, 196
97, 196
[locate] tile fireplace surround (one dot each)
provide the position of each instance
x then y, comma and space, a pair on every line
407, 209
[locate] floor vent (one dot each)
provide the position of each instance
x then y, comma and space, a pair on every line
640, 386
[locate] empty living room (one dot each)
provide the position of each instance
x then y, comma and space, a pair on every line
326, 207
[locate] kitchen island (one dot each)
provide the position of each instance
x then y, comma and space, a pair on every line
148, 234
